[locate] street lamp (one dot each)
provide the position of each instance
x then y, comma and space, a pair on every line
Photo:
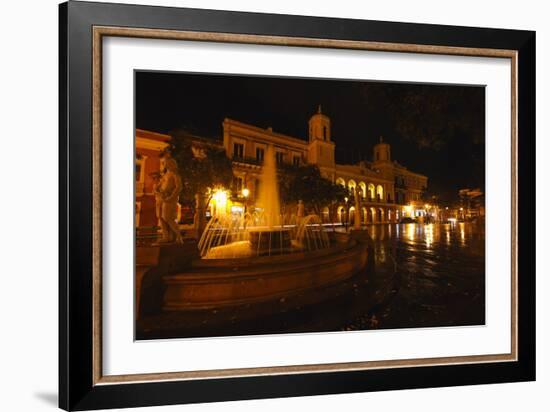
245, 193
347, 214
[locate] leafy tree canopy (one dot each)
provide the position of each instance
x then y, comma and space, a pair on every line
306, 183
429, 115
202, 165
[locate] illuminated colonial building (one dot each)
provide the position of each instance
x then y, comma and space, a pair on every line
388, 190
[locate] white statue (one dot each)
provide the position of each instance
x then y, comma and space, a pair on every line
168, 190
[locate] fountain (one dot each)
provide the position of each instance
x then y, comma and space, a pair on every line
262, 233
268, 197
259, 256
272, 236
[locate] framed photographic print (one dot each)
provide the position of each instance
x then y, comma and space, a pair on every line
257, 206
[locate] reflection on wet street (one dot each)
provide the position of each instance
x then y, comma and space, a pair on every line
421, 275
436, 272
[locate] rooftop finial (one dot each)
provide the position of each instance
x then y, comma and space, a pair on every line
319, 109
381, 139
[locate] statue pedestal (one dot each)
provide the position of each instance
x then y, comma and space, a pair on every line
153, 262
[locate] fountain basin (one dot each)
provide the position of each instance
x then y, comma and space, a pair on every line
266, 241
214, 283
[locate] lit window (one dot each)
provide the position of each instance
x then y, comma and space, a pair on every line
238, 150
260, 154
238, 184
380, 192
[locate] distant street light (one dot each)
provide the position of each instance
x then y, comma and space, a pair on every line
245, 193
346, 214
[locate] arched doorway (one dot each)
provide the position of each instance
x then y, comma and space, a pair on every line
341, 214
379, 215
364, 215
351, 215
373, 215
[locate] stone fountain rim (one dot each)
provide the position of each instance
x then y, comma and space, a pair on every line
273, 259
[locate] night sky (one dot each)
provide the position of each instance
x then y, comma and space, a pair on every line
436, 130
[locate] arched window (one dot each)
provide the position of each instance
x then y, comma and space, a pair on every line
341, 182
363, 189
351, 187
380, 192
371, 191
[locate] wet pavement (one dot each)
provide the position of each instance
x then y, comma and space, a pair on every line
421, 276
438, 276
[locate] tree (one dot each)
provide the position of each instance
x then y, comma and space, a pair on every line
203, 167
306, 183
429, 115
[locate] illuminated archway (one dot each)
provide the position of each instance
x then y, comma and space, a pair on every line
380, 192
364, 215
373, 215
379, 215
371, 190
351, 215
363, 189
341, 182
341, 214
351, 186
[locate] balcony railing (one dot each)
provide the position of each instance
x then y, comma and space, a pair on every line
247, 160
376, 199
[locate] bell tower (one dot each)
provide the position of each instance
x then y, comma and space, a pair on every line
319, 126
320, 147
382, 152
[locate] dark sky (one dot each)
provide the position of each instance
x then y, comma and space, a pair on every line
436, 130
